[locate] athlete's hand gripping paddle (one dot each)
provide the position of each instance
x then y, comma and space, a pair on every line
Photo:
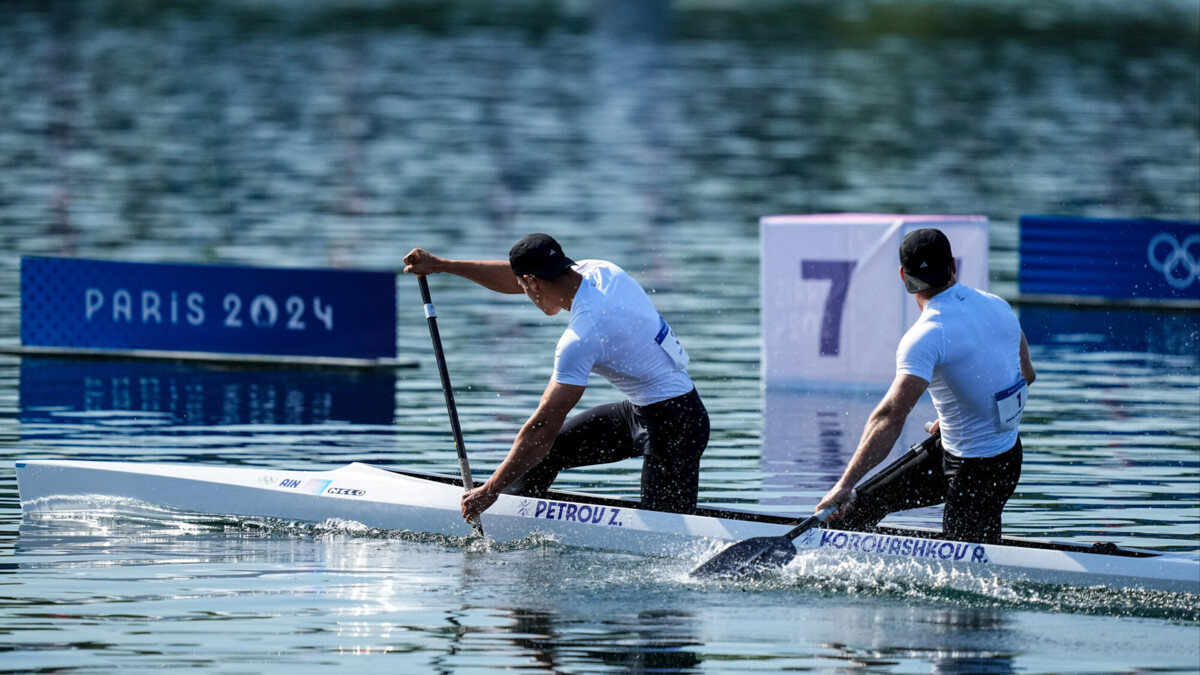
436, 338
761, 554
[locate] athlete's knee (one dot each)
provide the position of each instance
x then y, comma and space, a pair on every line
671, 501
864, 513
974, 527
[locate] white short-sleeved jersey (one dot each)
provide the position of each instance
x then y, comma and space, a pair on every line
616, 332
967, 345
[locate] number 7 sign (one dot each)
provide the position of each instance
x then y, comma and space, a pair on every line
833, 305
838, 273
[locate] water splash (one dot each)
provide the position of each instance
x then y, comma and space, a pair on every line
827, 575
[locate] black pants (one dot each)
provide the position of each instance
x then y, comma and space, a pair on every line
974, 490
669, 435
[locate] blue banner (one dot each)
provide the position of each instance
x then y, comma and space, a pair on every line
1110, 258
94, 304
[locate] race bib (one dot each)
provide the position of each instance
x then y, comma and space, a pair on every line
670, 344
1010, 403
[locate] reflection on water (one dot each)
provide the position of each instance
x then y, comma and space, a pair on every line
76, 390
1113, 330
649, 641
809, 434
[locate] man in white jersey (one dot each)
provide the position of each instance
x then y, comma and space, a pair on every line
615, 331
967, 348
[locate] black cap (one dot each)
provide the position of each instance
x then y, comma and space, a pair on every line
538, 254
926, 257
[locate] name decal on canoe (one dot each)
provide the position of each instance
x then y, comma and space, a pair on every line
909, 547
575, 513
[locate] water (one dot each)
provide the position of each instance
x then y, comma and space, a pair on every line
250, 134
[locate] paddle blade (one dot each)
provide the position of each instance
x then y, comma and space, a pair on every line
747, 558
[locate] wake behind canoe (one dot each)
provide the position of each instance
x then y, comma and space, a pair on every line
429, 503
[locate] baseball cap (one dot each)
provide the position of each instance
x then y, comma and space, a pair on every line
925, 256
538, 254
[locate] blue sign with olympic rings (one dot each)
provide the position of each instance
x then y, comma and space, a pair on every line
97, 304
1110, 258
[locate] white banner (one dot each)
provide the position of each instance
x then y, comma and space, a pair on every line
833, 304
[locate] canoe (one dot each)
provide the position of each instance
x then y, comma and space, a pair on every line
398, 499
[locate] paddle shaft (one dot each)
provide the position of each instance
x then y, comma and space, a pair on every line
436, 338
809, 523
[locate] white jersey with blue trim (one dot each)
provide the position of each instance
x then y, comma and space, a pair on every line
967, 345
616, 332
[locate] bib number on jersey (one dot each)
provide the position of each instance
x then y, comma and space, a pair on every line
670, 344
1010, 403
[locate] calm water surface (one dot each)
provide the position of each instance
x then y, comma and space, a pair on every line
316, 138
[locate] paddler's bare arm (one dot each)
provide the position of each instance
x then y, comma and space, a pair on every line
530, 447
494, 275
879, 435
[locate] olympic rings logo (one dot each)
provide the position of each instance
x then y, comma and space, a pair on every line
1179, 256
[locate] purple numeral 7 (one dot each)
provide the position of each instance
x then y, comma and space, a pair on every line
838, 272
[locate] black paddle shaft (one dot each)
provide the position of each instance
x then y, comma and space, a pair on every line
436, 338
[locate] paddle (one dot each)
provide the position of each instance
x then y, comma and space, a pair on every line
436, 338
759, 554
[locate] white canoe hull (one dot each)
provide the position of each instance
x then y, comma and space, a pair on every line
384, 499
